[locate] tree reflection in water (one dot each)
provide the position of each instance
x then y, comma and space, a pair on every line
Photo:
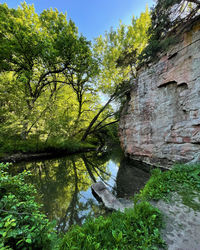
63, 186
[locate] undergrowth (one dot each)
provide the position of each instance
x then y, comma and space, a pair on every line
34, 145
137, 228
183, 179
22, 225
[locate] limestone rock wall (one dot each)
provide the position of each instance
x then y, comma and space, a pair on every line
160, 124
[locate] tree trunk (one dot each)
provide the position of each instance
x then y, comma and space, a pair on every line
95, 118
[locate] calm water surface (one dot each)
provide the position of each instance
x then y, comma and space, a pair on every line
64, 184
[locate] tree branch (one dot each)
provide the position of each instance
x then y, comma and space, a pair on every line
94, 131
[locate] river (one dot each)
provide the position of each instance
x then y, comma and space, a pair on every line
64, 184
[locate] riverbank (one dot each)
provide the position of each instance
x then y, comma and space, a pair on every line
182, 222
165, 213
20, 150
176, 193
169, 212
15, 158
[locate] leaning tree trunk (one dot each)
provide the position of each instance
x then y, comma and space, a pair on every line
95, 119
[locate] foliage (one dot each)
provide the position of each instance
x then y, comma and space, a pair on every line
22, 226
118, 50
47, 73
169, 18
181, 179
134, 229
48, 87
15, 144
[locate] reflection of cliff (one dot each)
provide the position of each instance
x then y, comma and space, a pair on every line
161, 122
131, 177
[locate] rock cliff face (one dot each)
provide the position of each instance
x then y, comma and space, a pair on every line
160, 124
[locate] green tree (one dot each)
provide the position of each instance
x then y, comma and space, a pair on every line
44, 53
51, 79
117, 53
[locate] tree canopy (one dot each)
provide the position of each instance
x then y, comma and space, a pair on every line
46, 72
56, 85
119, 49
52, 78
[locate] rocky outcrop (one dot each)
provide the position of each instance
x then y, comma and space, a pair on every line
160, 124
101, 193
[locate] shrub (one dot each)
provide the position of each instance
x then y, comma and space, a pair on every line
137, 228
22, 226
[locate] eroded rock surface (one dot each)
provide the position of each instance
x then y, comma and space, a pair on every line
161, 122
182, 224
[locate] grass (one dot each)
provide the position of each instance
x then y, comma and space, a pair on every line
183, 179
34, 145
137, 228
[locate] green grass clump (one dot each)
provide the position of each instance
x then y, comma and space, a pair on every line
183, 179
137, 228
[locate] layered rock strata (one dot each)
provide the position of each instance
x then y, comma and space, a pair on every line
160, 124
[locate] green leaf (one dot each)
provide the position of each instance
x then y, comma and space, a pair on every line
29, 241
4, 234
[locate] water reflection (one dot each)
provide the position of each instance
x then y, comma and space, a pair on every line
63, 184
131, 177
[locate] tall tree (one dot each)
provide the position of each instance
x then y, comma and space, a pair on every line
44, 53
118, 53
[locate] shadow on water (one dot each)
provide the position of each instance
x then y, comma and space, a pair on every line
131, 177
63, 184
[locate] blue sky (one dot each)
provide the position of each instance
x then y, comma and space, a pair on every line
93, 17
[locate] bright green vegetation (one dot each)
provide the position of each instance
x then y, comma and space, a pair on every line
52, 79
183, 179
34, 145
22, 225
137, 228
47, 80
119, 49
